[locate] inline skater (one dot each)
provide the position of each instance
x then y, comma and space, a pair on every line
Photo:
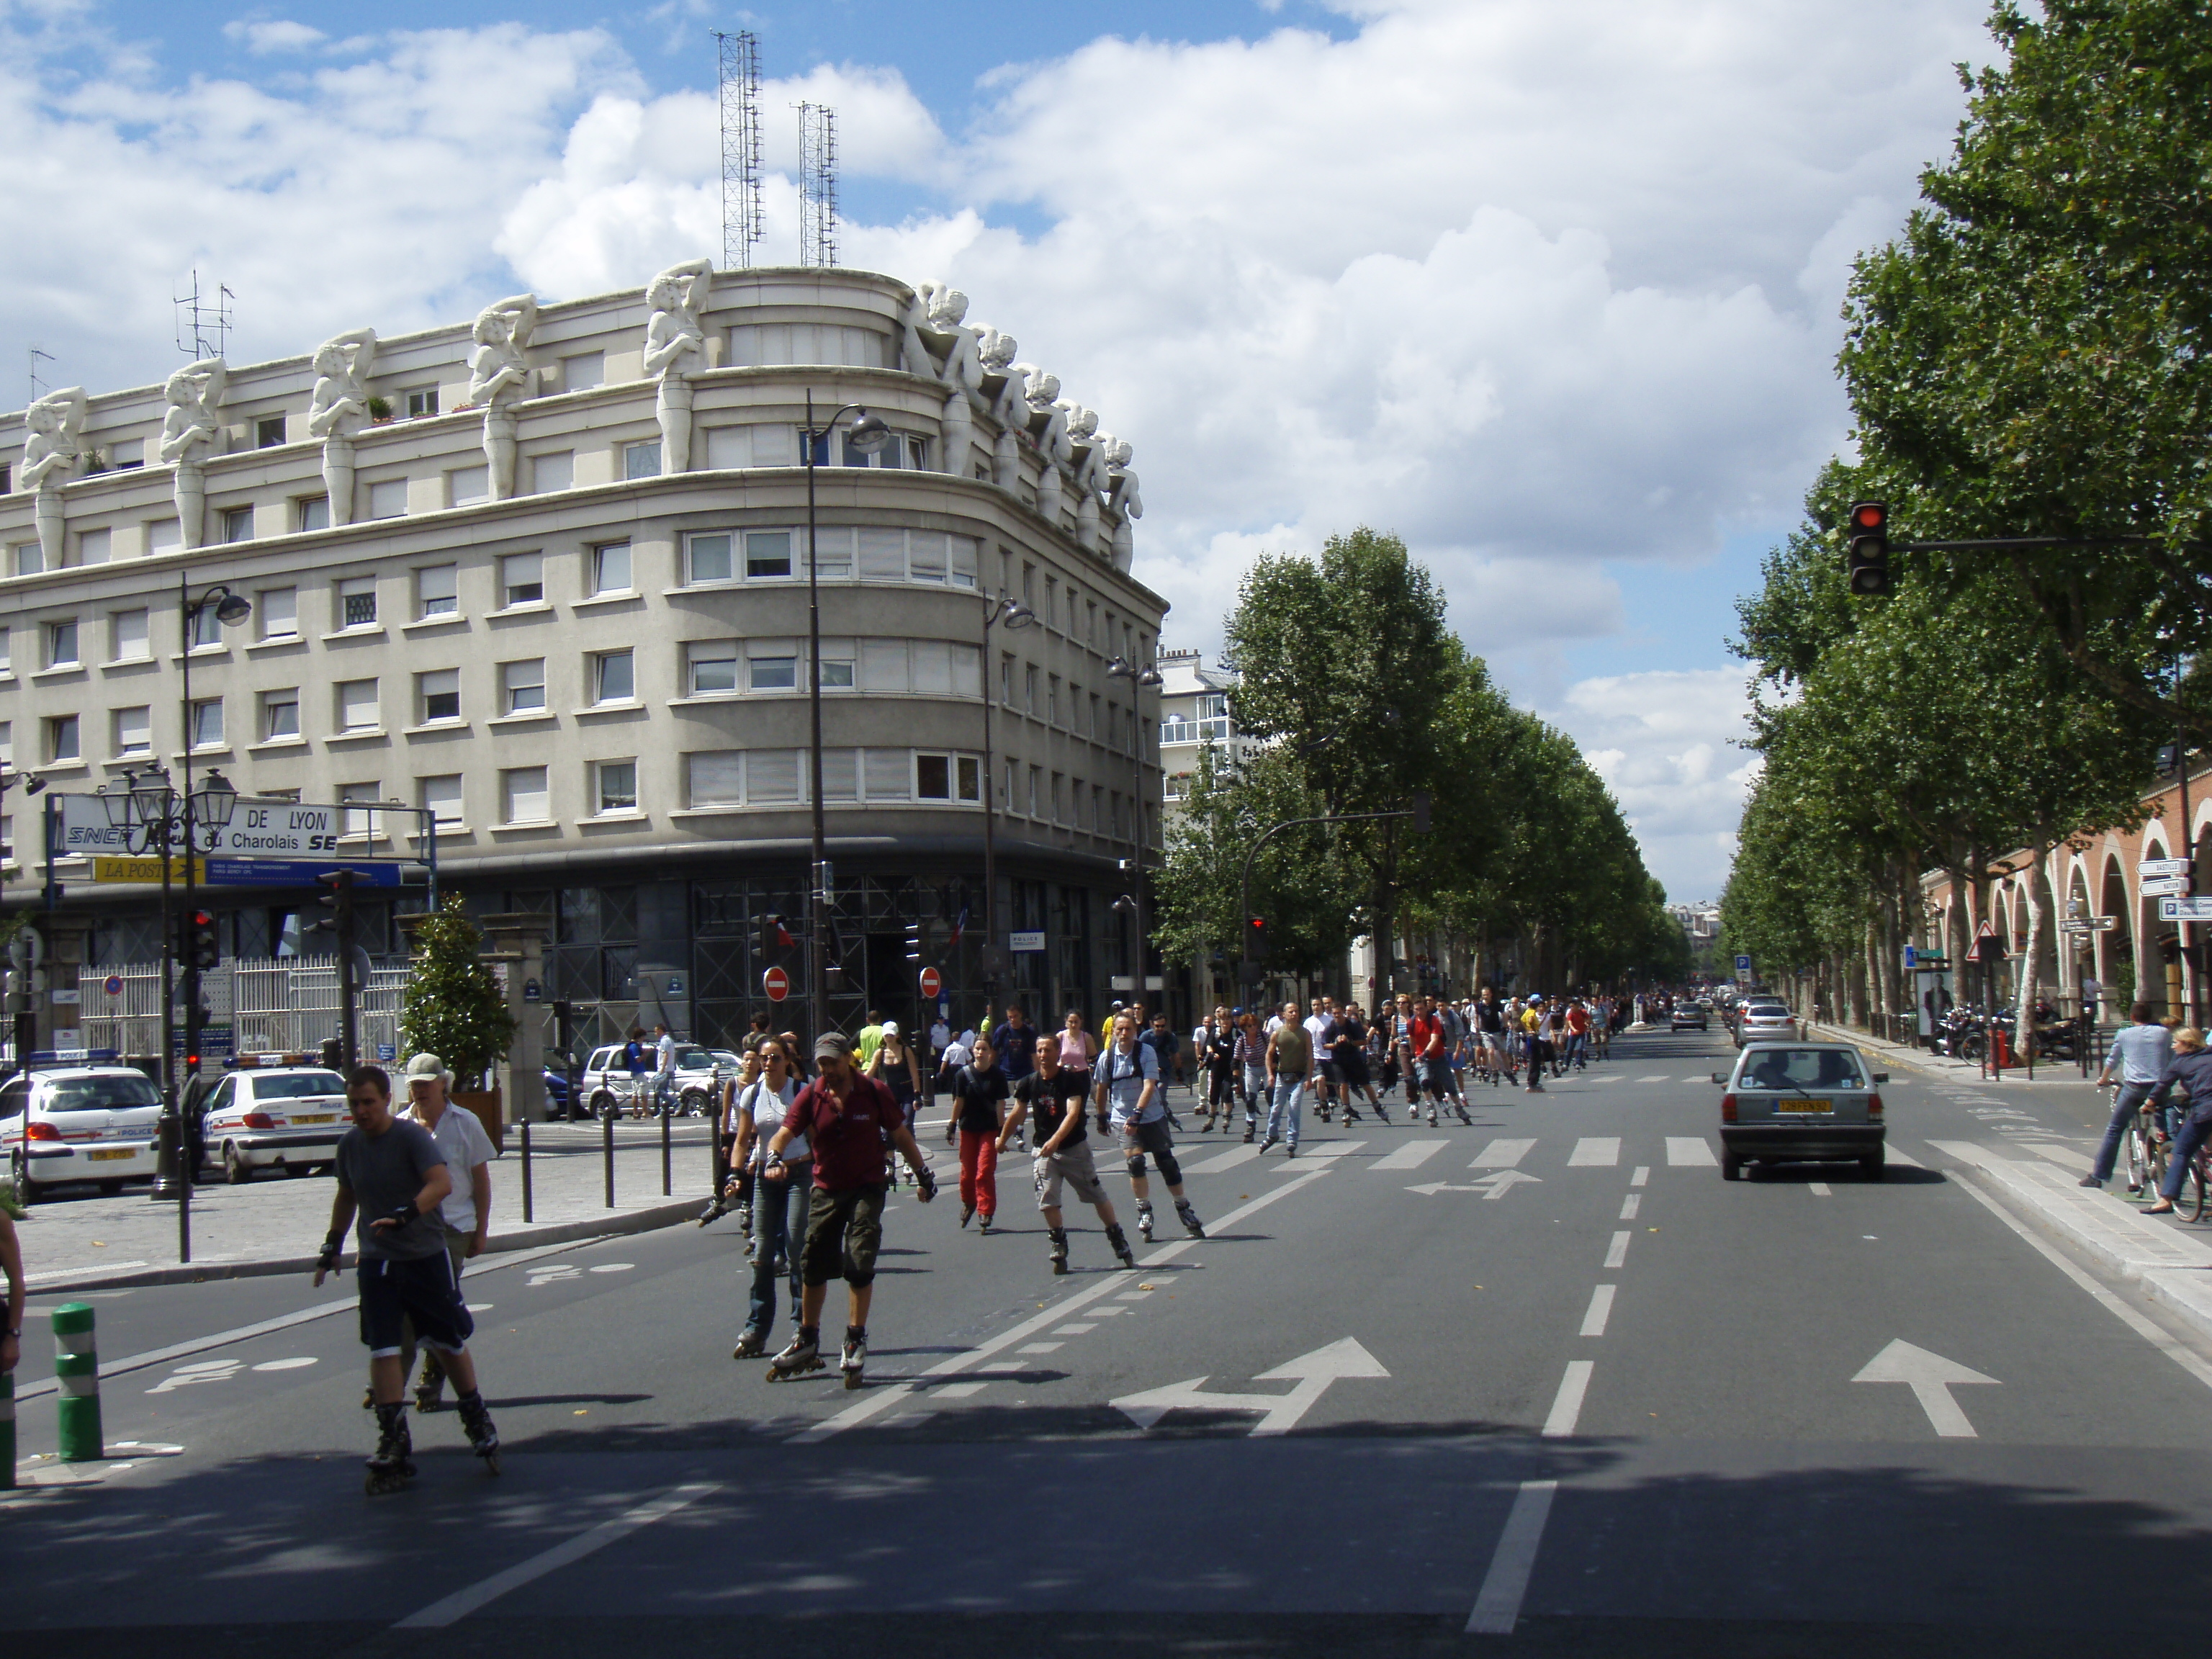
1289, 1064
1054, 1095
1127, 1093
896, 1066
1321, 1034
977, 1127
465, 1217
776, 1230
1251, 1055
1351, 1063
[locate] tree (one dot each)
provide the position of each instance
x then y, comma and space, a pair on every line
451, 1006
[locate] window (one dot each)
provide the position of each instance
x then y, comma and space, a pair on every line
833, 554
948, 777
965, 551
1052, 699
6, 743
357, 821
773, 668
836, 665
388, 499
523, 799
1030, 688
642, 460
730, 448
61, 644
522, 579
610, 569
269, 432
933, 666
163, 536
280, 715
61, 738
441, 797
29, 558
358, 602
613, 786
206, 723
753, 343
467, 485
583, 371
767, 553
715, 777
556, 471
614, 676
122, 454
888, 774
278, 609
126, 637
840, 775
92, 547
421, 403
1059, 798
522, 686
883, 554
708, 559
772, 777
1037, 792
206, 629
437, 591
311, 512
134, 731
1029, 586
356, 706
7, 648
710, 667
439, 693
238, 524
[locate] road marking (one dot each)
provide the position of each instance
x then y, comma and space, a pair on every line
1595, 1152
1819, 1189
1279, 1412
459, 1605
1221, 1161
1498, 1607
1610, 1077
1041, 1348
1074, 1330
1931, 1377
1642, 1174
1335, 1149
1410, 1156
1600, 1310
1690, 1151
1567, 1404
1656, 1077
1629, 1205
1616, 1254
959, 1391
1502, 1154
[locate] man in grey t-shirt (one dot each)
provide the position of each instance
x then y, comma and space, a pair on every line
2139, 1055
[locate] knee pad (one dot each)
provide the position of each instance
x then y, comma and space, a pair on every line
1136, 1166
1170, 1171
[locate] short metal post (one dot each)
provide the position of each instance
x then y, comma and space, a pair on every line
76, 1368
607, 1150
525, 1127
667, 1171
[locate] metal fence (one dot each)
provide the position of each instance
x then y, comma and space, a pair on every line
282, 1004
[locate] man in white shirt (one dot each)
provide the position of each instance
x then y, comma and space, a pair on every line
664, 1067
465, 1216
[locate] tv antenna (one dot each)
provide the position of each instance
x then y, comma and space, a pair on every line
38, 390
818, 185
739, 86
206, 318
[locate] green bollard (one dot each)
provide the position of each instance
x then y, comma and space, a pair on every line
7, 1431
76, 1368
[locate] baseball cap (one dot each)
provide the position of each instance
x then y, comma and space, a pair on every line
891, 1027
430, 1067
832, 1045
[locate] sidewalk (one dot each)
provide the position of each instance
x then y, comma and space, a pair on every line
276, 1223
1893, 1054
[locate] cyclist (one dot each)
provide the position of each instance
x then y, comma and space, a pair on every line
2139, 1056
2191, 1067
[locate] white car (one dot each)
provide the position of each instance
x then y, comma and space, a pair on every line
1765, 1021
285, 1117
79, 1123
607, 1087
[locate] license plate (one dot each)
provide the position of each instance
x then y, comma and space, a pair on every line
319, 1117
1795, 1105
113, 1151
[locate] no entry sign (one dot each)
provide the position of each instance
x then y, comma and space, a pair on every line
776, 983
932, 983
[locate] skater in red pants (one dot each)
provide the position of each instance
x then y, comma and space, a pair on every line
979, 1102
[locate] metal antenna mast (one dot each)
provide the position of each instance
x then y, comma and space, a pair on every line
211, 318
742, 224
37, 389
818, 185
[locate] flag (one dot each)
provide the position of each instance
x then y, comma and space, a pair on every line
783, 935
960, 926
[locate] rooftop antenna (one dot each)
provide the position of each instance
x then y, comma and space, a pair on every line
37, 388
207, 318
818, 185
742, 223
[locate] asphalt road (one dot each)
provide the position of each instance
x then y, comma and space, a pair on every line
1610, 1407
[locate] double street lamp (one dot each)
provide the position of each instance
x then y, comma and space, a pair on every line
1141, 679
1010, 611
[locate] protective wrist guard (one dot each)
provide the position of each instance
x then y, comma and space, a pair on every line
403, 1214
328, 1260
925, 1182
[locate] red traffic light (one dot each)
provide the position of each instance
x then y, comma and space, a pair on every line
203, 919
1870, 515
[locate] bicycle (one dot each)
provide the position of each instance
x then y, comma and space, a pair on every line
2145, 1151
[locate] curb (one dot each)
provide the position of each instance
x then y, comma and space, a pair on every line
1897, 1054
634, 1221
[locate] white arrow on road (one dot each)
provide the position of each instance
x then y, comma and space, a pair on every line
1494, 1185
1931, 1377
1279, 1412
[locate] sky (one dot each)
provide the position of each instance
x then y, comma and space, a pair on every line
1548, 288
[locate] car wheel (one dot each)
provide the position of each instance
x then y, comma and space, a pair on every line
694, 1102
1731, 1167
19, 1175
602, 1104
235, 1169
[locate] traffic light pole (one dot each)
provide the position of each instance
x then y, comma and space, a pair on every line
1244, 882
342, 923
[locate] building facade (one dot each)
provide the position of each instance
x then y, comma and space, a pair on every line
545, 575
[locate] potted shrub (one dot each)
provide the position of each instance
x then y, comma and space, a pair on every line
452, 1006
379, 410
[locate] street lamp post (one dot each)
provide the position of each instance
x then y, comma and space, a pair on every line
21, 1025
1011, 612
1139, 680
869, 434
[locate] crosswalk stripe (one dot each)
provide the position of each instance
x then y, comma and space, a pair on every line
1220, 1161
1610, 1077
1691, 1150
1502, 1154
1332, 1149
1595, 1151
1410, 1156
1657, 1077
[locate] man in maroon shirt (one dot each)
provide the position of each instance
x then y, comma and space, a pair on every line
845, 1118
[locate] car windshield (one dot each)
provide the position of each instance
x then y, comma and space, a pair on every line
299, 1086
1801, 1068
100, 1094
693, 1060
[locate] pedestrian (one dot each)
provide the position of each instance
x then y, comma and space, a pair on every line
979, 1101
11, 1264
1127, 1094
1220, 1058
895, 1066
664, 1071
1532, 1026
2191, 1067
1321, 1032
872, 1035
1078, 1047
779, 1207
843, 1117
1161, 1039
2139, 1055
636, 1063
1054, 1095
393, 1176
1290, 1063
465, 1216
956, 1055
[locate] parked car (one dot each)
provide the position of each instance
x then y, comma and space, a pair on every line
79, 1123
1801, 1101
281, 1117
607, 1087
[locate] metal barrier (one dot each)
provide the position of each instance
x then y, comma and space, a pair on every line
284, 1005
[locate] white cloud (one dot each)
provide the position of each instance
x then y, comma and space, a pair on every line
262, 37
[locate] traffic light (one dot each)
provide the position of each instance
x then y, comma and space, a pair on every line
199, 948
1255, 939
913, 941
337, 899
1867, 555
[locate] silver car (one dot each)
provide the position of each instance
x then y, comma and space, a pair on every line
1759, 1020
1789, 1102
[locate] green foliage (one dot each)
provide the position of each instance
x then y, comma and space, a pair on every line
451, 1006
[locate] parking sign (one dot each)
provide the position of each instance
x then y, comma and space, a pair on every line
1743, 967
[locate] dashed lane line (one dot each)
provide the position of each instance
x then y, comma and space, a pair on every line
1498, 1607
1616, 1254
1567, 1404
1600, 1310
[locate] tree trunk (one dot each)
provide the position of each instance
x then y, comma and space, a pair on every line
2023, 1026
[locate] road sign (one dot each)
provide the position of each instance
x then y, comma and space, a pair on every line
1743, 967
1931, 1377
385, 1054
1279, 1412
2162, 867
296, 872
533, 991
932, 983
214, 1040
2089, 924
776, 983
112, 985
1912, 955
2185, 909
138, 870
2166, 887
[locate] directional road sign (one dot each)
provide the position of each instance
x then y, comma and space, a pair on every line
2166, 887
2185, 909
1490, 1186
2162, 867
297, 873
1279, 1412
1931, 1377
2089, 924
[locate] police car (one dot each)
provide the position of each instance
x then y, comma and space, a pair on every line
62, 1123
285, 1117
